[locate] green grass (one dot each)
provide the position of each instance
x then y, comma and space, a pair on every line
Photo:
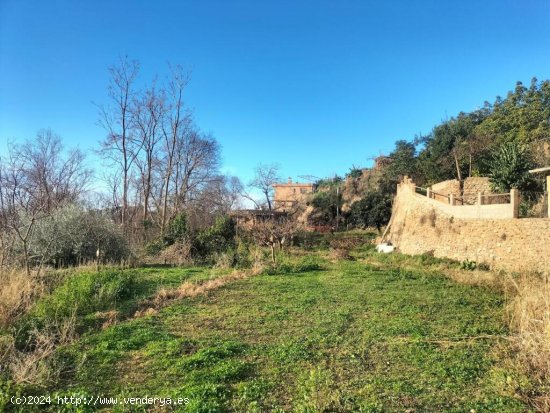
352, 337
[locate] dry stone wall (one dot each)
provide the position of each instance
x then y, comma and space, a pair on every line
422, 226
476, 184
442, 189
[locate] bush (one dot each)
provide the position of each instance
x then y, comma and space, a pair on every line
326, 204
83, 294
374, 210
219, 238
243, 255
72, 236
207, 245
509, 168
354, 173
176, 231
468, 265
155, 247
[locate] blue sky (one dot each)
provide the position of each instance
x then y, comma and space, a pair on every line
316, 86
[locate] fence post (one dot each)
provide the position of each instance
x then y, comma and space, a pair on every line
428, 193
514, 201
479, 199
452, 199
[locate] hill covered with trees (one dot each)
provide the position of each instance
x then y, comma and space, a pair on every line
501, 140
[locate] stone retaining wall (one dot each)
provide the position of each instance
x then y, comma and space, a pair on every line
420, 225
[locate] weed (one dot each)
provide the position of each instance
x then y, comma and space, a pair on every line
530, 319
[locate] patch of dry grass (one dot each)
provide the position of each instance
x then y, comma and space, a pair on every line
33, 365
529, 311
188, 289
17, 293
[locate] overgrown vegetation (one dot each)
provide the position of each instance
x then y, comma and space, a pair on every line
315, 332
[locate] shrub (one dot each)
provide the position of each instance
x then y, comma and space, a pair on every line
176, 230
81, 294
219, 238
374, 210
72, 235
243, 254
468, 265
17, 294
509, 168
354, 173
326, 204
155, 247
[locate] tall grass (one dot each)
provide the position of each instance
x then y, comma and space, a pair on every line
17, 294
39, 314
529, 311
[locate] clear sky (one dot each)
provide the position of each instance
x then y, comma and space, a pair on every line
316, 86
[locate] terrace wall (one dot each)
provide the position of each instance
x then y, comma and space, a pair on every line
482, 233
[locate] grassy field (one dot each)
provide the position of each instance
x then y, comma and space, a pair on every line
374, 334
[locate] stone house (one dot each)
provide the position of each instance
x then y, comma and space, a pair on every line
288, 195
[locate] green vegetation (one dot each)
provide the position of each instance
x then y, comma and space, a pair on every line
326, 203
374, 211
464, 145
205, 245
501, 140
217, 239
509, 168
372, 334
72, 235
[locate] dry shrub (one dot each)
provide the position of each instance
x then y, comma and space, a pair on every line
258, 261
17, 293
224, 260
530, 320
145, 312
34, 365
178, 253
340, 248
346, 242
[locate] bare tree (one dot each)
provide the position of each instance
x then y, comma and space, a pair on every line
196, 164
217, 198
56, 180
35, 180
273, 230
264, 178
178, 121
121, 146
149, 113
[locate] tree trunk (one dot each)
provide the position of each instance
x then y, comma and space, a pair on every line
459, 175
26, 258
273, 252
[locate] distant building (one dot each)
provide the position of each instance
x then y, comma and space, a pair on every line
247, 218
289, 194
